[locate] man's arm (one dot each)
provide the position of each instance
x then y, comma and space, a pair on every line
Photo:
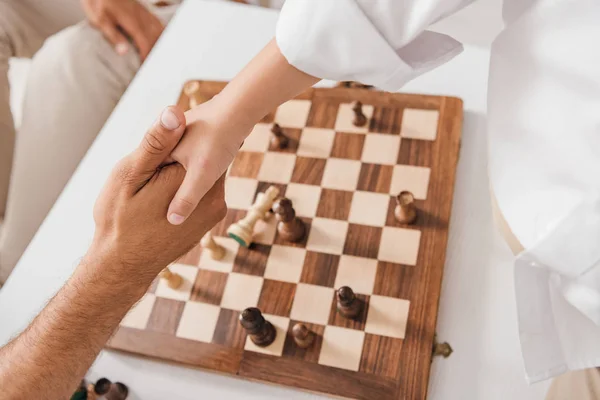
133, 242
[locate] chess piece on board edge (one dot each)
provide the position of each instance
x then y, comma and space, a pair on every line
110, 390
278, 140
360, 119
262, 332
354, 85
289, 227
208, 243
405, 211
191, 90
174, 280
242, 231
303, 337
348, 305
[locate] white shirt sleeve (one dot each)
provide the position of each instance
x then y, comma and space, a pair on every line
376, 42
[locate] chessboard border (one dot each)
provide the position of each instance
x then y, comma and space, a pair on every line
414, 368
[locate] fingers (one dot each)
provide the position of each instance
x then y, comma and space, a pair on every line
143, 27
114, 36
156, 146
195, 185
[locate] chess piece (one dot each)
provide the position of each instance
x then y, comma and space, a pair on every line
91, 392
216, 251
348, 305
262, 332
405, 211
278, 140
290, 227
303, 336
360, 119
110, 390
192, 91
174, 280
242, 231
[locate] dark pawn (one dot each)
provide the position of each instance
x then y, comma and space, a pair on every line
112, 391
289, 227
348, 304
262, 332
278, 140
405, 211
360, 119
303, 336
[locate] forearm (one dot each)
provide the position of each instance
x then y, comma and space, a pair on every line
51, 356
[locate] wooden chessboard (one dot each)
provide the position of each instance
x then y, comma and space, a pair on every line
343, 181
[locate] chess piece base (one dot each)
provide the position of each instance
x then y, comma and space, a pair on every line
351, 311
360, 120
292, 232
240, 235
266, 336
405, 216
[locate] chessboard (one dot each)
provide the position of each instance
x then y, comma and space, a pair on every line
350, 186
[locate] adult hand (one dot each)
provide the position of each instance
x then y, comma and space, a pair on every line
131, 229
118, 18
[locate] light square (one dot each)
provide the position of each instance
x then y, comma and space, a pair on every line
241, 291
399, 245
198, 321
341, 174
316, 142
356, 272
345, 116
264, 230
369, 208
138, 315
419, 124
305, 198
277, 167
312, 304
341, 348
293, 114
258, 140
327, 236
411, 178
381, 149
239, 192
226, 263
285, 263
182, 293
276, 348
387, 316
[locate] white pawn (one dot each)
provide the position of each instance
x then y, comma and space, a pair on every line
216, 251
243, 230
174, 280
191, 90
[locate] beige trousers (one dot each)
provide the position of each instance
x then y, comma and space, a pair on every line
75, 81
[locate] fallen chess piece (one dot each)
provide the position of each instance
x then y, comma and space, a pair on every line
208, 243
192, 91
262, 332
348, 305
242, 231
110, 390
405, 211
278, 140
173, 279
360, 119
290, 227
303, 336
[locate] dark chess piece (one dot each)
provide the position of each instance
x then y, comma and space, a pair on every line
348, 305
290, 227
303, 336
278, 140
111, 391
360, 119
262, 332
405, 211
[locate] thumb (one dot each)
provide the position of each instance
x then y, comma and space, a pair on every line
158, 143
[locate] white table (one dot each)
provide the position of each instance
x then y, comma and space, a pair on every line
211, 40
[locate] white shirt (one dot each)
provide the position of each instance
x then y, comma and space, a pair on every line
544, 139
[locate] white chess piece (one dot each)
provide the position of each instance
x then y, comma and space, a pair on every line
242, 231
174, 280
216, 251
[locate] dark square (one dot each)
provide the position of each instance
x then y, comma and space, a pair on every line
165, 315
209, 287
393, 280
323, 113
386, 120
246, 164
362, 241
293, 135
381, 355
276, 297
375, 178
228, 331
334, 204
311, 353
348, 145
308, 170
337, 319
232, 216
302, 243
320, 269
252, 260
416, 152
